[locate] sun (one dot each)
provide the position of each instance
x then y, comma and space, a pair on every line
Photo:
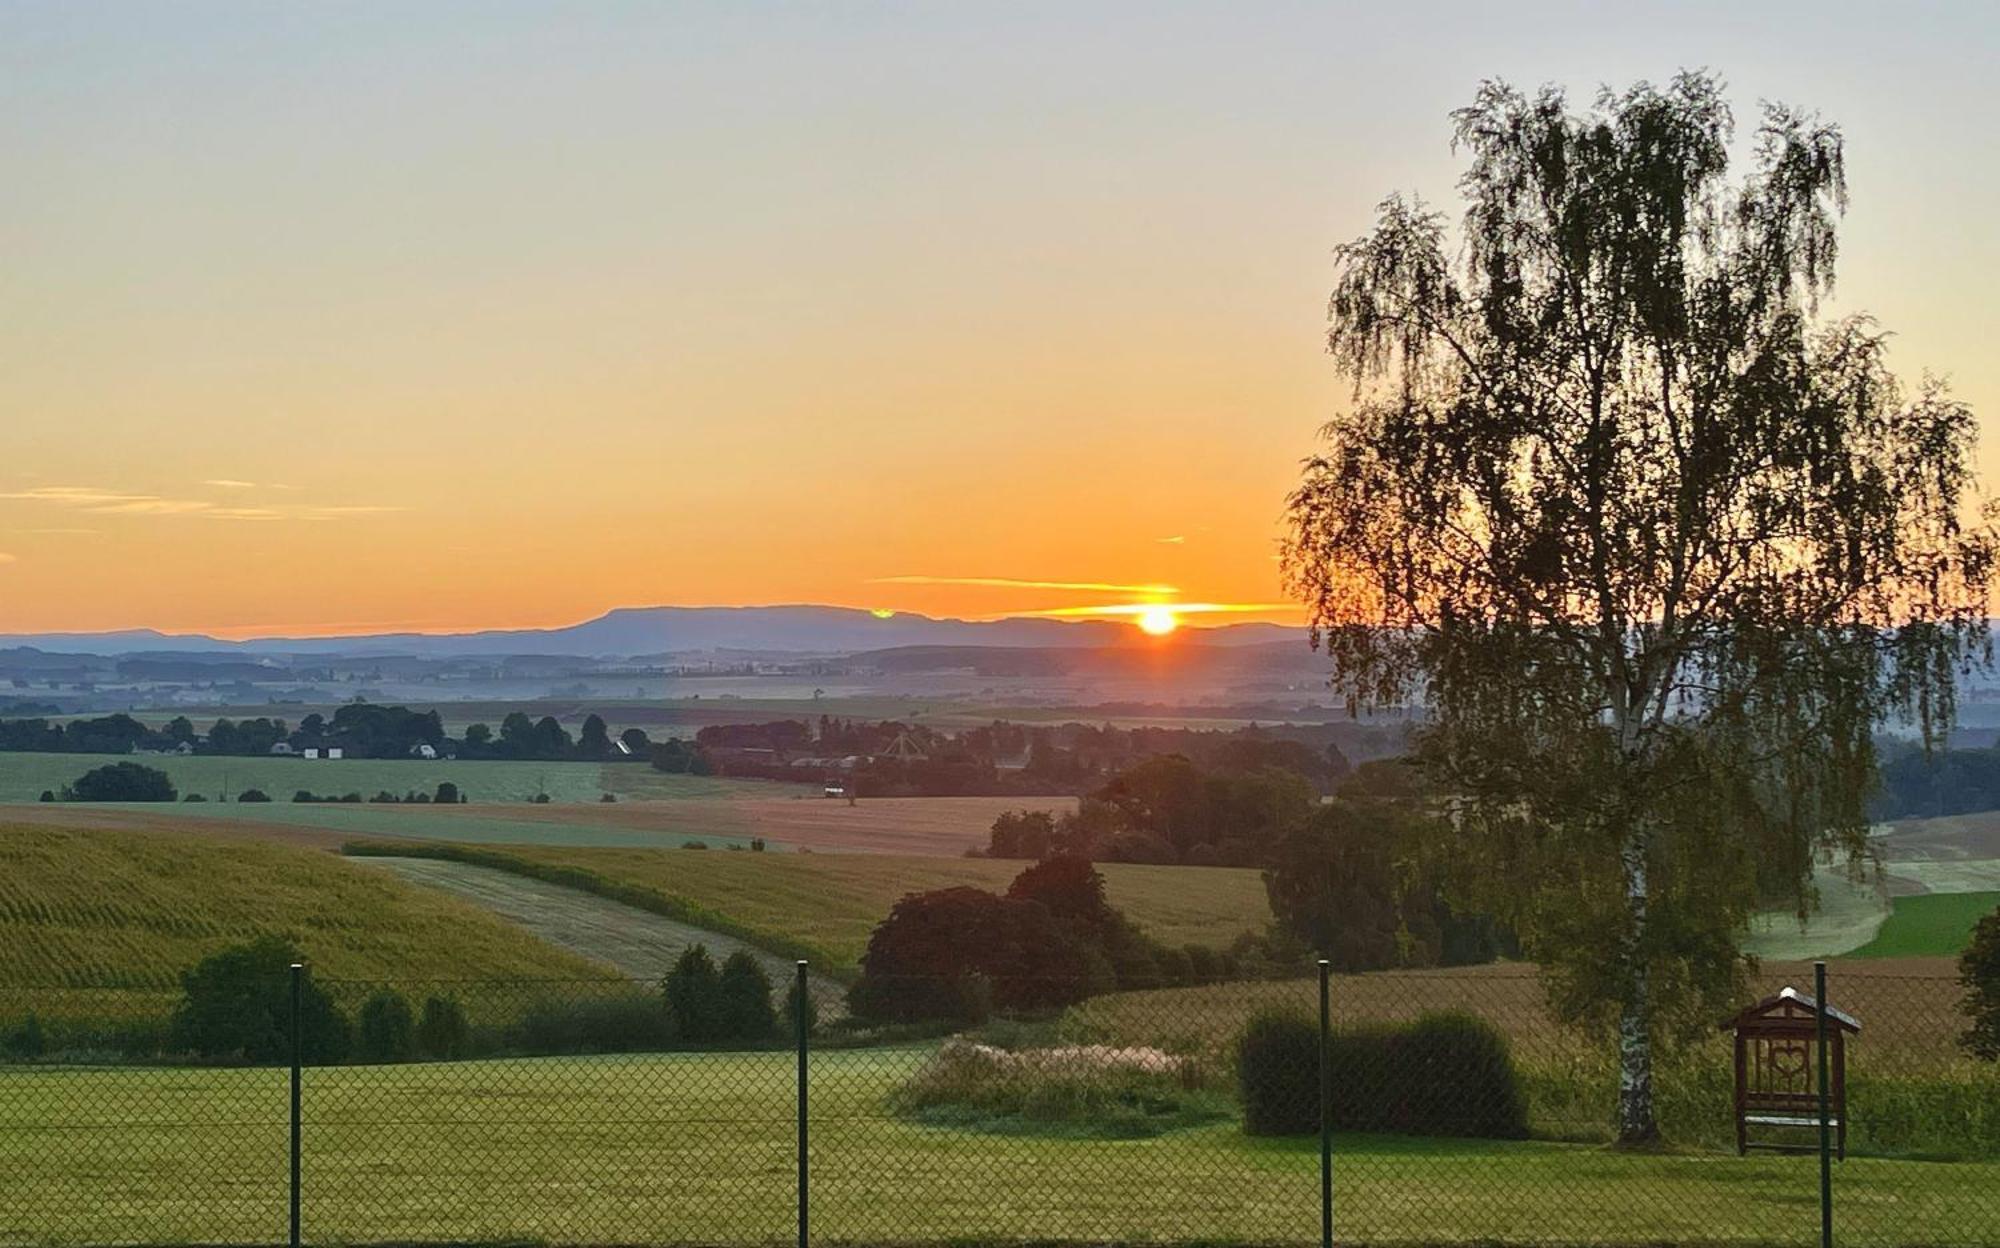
1158, 621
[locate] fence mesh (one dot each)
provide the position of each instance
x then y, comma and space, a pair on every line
581, 1113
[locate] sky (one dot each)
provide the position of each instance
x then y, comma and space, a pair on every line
351, 317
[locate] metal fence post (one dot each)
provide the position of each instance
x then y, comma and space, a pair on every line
1825, 1110
1325, 1104
801, 1014
298, 985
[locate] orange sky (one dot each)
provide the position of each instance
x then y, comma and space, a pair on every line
355, 318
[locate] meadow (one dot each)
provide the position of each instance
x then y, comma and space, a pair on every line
699, 1148
824, 906
1929, 924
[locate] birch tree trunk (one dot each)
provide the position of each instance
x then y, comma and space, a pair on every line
1636, 1121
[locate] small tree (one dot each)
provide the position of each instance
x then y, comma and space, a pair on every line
1655, 546
237, 1003
387, 1028
253, 795
1979, 972
743, 999
694, 996
447, 792
442, 1031
123, 782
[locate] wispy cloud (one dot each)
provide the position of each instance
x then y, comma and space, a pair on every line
1178, 608
98, 501
1176, 540
1008, 582
7, 558
226, 483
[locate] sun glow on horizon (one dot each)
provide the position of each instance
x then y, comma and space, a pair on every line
1158, 621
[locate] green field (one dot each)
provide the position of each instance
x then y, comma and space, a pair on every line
1929, 925
24, 776
830, 903
699, 1149
87, 910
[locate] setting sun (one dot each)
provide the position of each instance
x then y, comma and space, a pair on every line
1159, 621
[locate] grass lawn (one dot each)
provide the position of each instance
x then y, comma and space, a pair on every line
1931, 924
831, 902
88, 910
699, 1149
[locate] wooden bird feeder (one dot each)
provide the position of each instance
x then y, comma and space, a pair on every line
1777, 1082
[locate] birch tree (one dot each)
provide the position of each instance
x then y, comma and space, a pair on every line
1656, 542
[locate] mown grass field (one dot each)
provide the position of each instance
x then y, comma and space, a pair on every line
24, 776
699, 1149
1931, 924
90, 910
829, 903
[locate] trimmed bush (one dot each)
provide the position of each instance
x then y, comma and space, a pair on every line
1277, 1064
386, 1030
442, 1031
1447, 1074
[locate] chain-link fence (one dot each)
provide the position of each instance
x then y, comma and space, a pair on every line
1450, 1107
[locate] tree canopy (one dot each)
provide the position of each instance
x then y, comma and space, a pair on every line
1655, 544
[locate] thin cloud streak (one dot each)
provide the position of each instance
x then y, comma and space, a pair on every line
1178, 608
103, 502
1008, 582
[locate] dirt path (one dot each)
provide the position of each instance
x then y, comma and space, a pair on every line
637, 942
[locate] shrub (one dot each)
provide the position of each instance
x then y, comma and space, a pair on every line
441, 1029
387, 1028
237, 1004
48, 795
1204, 964
694, 844
607, 797
27, 1040
123, 782
1979, 973
756, 844
1277, 1064
795, 1001
1445, 1074
253, 795
623, 1022
694, 996
448, 793
1142, 847
743, 1000
194, 797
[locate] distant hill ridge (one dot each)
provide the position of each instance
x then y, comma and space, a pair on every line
662, 631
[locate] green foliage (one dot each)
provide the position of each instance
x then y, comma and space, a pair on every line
122, 782
442, 1030
954, 953
1447, 1074
1277, 1068
1659, 548
26, 1040
386, 1028
1979, 975
743, 999
1353, 885
799, 999
236, 1004
623, 1021
1929, 925
694, 996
